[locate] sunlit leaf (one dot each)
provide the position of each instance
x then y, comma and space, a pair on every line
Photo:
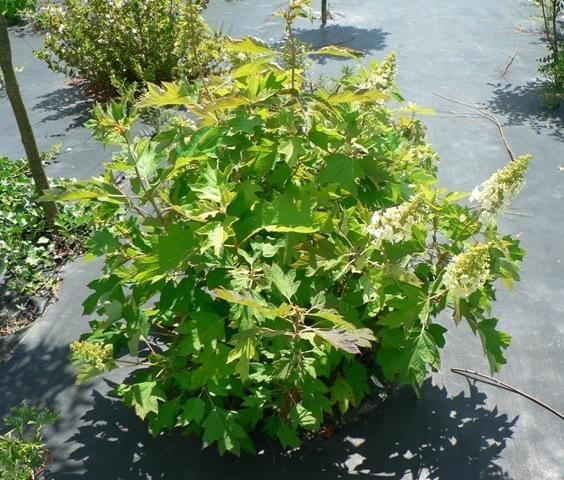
337, 51
251, 45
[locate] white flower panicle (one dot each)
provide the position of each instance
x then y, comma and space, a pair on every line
395, 224
468, 271
380, 74
495, 194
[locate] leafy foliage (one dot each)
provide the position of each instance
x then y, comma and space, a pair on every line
30, 251
266, 263
552, 65
22, 451
15, 10
134, 41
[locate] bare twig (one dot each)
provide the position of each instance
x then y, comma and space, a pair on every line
511, 388
505, 71
487, 115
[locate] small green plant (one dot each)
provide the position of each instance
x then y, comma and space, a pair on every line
23, 455
15, 10
31, 250
270, 262
552, 65
133, 41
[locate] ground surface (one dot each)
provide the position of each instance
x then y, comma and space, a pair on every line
56, 109
455, 48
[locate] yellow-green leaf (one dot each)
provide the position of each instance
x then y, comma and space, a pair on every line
167, 94
351, 96
337, 51
333, 317
250, 45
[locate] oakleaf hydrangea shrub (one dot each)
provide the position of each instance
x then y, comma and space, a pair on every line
267, 263
110, 43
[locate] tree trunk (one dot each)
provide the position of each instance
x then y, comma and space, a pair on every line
323, 12
26, 133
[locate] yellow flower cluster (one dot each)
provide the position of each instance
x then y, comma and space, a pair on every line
95, 355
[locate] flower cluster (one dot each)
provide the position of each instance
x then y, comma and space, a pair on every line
395, 224
380, 74
94, 355
468, 271
419, 155
495, 194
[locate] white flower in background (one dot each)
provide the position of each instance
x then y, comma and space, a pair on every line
395, 224
495, 194
468, 271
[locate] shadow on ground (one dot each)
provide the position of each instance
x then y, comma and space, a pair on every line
37, 376
462, 439
361, 39
522, 105
69, 103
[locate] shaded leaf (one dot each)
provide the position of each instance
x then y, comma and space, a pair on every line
343, 171
174, 247
284, 282
144, 397
348, 340
408, 357
342, 394
192, 411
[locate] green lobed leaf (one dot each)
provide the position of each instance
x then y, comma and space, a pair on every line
494, 343
342, 170
144, 397
174, 247
284, 282
203, 329
220, 427
193, 410
408, 357
168, 93
342, 394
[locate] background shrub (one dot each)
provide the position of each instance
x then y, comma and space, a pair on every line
274, 260
109, 43
23, 454
15, 10
552, 65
